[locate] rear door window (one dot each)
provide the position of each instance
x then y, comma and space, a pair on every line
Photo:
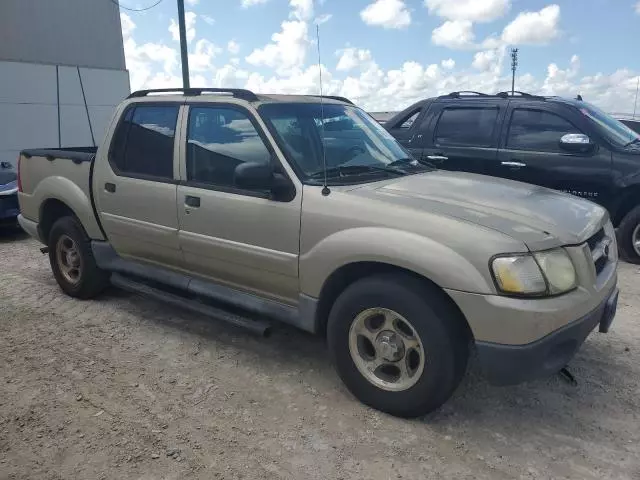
466, 127
142, 144
537, 130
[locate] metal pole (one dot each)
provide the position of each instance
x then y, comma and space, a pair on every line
635, 105
183, 45
514, 67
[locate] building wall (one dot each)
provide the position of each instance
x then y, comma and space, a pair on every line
29, 105
43, 45
62, 32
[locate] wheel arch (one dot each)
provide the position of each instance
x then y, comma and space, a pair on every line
350, 273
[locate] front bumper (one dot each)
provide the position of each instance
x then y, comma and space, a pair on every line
511, 364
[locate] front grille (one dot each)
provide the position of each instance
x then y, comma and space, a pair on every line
599, 244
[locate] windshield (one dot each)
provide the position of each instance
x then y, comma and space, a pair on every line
354, 144
617, 132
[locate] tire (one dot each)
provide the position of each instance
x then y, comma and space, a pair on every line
629, 226
440, 329
90, 280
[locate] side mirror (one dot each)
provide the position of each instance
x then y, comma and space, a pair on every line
261, 176
576, 143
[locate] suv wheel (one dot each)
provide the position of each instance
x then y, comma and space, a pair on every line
398, 344
72, 260
629, 236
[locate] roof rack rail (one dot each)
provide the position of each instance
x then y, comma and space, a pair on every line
464, 93
236, 92
334, 97
517, 93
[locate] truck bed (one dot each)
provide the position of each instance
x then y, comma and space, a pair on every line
62, 174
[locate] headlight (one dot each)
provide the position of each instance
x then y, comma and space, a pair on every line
544, 273
558, 269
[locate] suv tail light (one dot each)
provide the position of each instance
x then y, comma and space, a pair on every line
19, 177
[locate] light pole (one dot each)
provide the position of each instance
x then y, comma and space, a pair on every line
184, 57
514, 67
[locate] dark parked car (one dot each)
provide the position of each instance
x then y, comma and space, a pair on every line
8, 195
632, 124
559, 143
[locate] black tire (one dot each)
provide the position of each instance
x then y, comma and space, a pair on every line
92, 280
438, 323
626, 229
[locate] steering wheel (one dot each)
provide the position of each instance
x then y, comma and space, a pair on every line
351, 153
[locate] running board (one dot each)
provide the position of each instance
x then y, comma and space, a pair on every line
259, 327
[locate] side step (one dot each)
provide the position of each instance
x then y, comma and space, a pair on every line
259, 327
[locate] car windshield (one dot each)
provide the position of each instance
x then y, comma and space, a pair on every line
353, 144
616, 131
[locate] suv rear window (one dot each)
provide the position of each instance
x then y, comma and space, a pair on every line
466, 126
143, 142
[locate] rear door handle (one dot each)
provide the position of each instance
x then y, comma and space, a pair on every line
514, 164
190, 201
110, 187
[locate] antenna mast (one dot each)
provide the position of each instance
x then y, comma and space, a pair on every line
325, 188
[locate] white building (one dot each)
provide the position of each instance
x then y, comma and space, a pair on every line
62, 71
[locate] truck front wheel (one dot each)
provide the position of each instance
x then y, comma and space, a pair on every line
397, 344
629, 236
72, 261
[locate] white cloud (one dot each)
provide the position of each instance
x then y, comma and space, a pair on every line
387, 14
233, 47
474, 10
301, 9
208, 19
448, 64
189, 23
351, 58
489, 60
202, 57
193, 2
637, 8
288, 50
456, 34
533, 27
324, 18
251, 3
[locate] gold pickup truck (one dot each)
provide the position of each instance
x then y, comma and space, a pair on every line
258, 208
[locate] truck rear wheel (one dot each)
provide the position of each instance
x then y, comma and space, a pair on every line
72, 261
397, 344
629, 236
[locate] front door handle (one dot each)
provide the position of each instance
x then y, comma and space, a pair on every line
437, 158
110, 187
514, 164
190, 201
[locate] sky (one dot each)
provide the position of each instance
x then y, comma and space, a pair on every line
386, 54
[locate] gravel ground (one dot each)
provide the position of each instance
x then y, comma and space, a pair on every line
123, 387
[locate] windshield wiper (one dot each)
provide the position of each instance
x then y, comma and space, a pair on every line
345, 170
410, 162
635, 140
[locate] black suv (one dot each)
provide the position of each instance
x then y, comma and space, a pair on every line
559, 143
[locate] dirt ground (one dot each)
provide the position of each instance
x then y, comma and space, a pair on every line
126, 388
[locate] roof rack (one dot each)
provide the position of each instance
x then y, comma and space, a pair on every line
464, 93
334, 97
235, 92
517, 93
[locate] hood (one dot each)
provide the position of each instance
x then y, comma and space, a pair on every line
539, 217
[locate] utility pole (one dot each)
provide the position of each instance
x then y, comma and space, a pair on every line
183, 45
635, 105
514, 67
